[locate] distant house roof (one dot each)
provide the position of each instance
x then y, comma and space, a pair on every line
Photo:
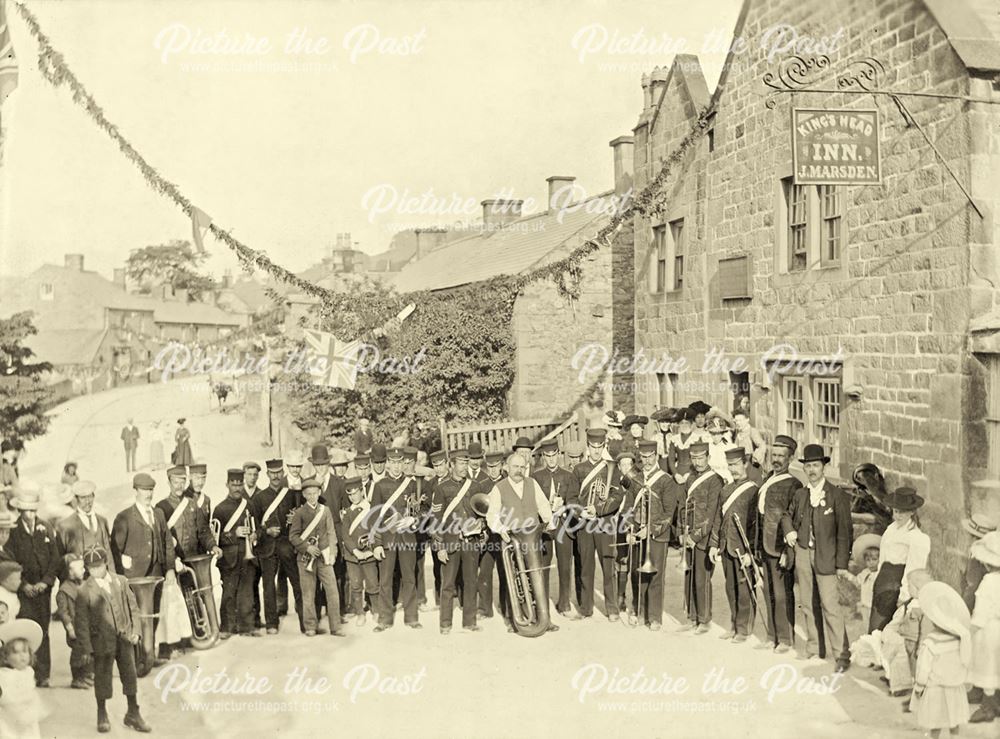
519, 246
66, 346
252, 293
171, 311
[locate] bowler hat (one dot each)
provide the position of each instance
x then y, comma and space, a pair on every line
979, 524
814, 453
475, 450
903, 499
378, 453
319, 455
862, 544
628, 454
522, 443
494, 457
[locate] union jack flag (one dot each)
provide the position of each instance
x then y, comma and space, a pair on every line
333, 363
8, 62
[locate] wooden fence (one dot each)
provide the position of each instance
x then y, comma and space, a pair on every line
501, 435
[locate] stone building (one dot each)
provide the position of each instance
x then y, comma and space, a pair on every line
550, 327
887, 293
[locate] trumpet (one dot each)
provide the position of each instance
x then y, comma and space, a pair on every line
248, 541
312, 541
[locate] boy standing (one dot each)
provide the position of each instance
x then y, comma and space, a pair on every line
79, 663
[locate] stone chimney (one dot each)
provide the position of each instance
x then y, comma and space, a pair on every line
498, 213
560, 190
181, 295
623, 149
227, 279
119, 278
428, 239
657, 83
647, 96
74, 262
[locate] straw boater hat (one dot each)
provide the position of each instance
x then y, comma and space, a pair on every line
987, 549
979, 524
862, 544
945, 609
28, 497
22, 628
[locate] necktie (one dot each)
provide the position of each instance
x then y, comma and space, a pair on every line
93, 522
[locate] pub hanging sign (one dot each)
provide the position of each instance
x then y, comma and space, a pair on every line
835, 146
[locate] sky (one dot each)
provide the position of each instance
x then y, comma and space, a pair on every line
291, 122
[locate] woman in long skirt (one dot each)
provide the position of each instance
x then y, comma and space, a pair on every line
182, 452
904, 549
156, 447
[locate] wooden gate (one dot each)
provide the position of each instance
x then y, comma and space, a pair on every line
501, 435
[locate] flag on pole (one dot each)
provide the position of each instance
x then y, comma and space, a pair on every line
333, 363
200, 221
8, 62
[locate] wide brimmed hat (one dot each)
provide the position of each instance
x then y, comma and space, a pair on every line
944, 607
903, 499
83, 488
338, 457
613, 419
633, 419
987, 549
862, 544
26, 499
662, 415
699, 407
814, 453
294, 458
22, 628
979, 524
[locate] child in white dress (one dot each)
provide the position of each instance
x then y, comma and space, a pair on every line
985, 669
20, 706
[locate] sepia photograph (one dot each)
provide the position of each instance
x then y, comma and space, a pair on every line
492, 368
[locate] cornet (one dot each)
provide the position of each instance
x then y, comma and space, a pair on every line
312, 541
248, 542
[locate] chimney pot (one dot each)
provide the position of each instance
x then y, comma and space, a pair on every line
623, 151
74, 261
120, 276
560, 190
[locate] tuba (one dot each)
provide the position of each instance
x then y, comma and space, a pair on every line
196, 584
522, 563
144, 589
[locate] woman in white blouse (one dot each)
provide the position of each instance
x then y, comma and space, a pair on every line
904, 548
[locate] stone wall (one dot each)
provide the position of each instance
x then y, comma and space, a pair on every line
900, 303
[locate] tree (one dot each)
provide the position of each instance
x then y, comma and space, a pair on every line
24, 396
175, 264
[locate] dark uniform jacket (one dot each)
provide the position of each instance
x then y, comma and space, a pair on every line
361, 519
701, 506
561, 482
832, 527
772, 524
448, 532
37, 553
334, 496
148, 548
233, 547
663, 504
258, 505
101, 617
603, 489
725, 533
384, 490
191, 535
325, 532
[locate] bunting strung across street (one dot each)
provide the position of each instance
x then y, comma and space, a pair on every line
647, 202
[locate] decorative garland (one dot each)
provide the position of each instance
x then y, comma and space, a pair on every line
54, 68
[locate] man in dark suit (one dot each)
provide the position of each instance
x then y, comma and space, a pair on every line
141, 543
237, 537
7, 523
130, 439
560, 486
83, 528
819, 526
33, 546
777, 560
107, 629
702, 487
271, 508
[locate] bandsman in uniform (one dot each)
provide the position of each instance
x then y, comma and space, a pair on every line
777, 560
237, 535
517, 504
141, 543
731, 544
195, 490
439, 464
273, 507
294, 462
701, 506
489, 561
83, 528
314, 537
362, 570
456, 540
559, 485
600, 497
661, 507
625, 524
395, 543
190, 536
421, 508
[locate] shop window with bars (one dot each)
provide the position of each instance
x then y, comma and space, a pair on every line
798, 227
677, 235
832, 218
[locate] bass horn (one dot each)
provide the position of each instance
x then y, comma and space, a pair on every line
144, 589
196, 585
522, 564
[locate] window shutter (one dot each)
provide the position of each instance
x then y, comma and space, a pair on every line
734, 278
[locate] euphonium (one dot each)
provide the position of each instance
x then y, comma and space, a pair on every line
144, 589
197, 589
